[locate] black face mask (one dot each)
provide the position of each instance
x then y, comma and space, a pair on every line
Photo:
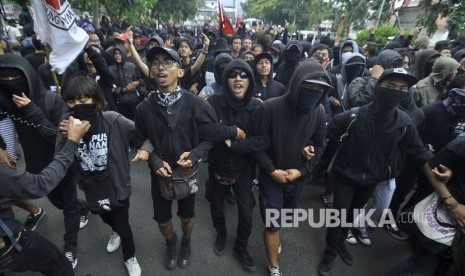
353, 72
291, 55
387, 98
15, 86
87, 112
308, 100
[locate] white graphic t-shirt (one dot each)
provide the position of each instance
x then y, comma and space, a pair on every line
93, 155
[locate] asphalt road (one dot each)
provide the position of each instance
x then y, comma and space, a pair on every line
302, 247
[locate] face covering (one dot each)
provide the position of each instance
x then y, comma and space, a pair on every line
15, 86
87, 112
387, 98
407, 102
455, 103
291, 55
353, 72
275, 60
308, 100
346, 56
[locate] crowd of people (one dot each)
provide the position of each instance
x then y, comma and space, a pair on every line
266, 109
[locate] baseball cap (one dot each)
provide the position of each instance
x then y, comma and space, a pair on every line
294, 43
319, 80
172, 54
122, 37
398, 73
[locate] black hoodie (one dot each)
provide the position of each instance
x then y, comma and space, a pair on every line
273, 89
231, 113
36, 122
289, 129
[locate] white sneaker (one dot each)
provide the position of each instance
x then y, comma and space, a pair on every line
274, 271
133, 267
350, 239
114, 242
83, 220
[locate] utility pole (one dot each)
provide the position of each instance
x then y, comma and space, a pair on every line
380, 12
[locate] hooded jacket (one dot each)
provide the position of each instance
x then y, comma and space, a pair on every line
287, 68
430, 88
273, 88
420, 61
36, 123
124, 73
234, 113
337, 69
279, 116
341, 91
360, 90
215, 87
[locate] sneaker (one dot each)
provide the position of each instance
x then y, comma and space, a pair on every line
185, 256
351, 239
344, 254
220, 243
363, 236
245, 259
171, 257
71, 256
133, 267
33, 220
84, 219
274, 271
395, 232
113, 243
324, 268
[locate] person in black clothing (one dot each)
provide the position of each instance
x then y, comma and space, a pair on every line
170, 119
37, 112
230, 160
287, 164
24, 250
292, 56
265, 87
373, 151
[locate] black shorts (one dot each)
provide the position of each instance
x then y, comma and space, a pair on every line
162, 207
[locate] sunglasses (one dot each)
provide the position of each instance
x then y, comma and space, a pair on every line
234, 74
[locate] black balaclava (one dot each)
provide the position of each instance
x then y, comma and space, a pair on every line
386, 99
86, 112
309, 99
354, 71
15, 86
291, 55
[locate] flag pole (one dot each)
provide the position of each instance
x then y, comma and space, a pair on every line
52, 72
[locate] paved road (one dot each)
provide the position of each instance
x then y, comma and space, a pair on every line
302, 247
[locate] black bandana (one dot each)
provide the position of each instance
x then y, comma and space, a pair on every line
455, 103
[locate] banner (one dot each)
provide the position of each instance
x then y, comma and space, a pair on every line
55, 25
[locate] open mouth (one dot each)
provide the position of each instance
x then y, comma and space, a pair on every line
161, 77
238, 89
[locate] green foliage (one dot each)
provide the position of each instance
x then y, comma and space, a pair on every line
454, 9
382, 33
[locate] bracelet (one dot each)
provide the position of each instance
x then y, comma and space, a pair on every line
204, 52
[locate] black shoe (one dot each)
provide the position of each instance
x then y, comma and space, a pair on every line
33, 220
220, 243
325, 267
344, 254
185, 255
171, 256
245, 259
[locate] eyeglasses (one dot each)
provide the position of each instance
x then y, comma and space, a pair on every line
167, 63
234, 74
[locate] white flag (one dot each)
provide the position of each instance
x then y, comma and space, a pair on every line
54, 23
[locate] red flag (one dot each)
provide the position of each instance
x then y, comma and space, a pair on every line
225, 25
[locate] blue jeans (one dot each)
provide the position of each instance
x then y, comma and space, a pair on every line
38, 254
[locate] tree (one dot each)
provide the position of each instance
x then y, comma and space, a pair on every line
453, 9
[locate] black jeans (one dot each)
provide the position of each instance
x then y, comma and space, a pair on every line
38, 254
347, 196
64, 197
245, 201
118, 220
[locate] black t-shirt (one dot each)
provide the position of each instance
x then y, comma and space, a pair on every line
92, 154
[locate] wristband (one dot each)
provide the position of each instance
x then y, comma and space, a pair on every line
204, 52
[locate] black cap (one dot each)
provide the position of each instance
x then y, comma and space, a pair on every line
165, 50
398, 73
264, 55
